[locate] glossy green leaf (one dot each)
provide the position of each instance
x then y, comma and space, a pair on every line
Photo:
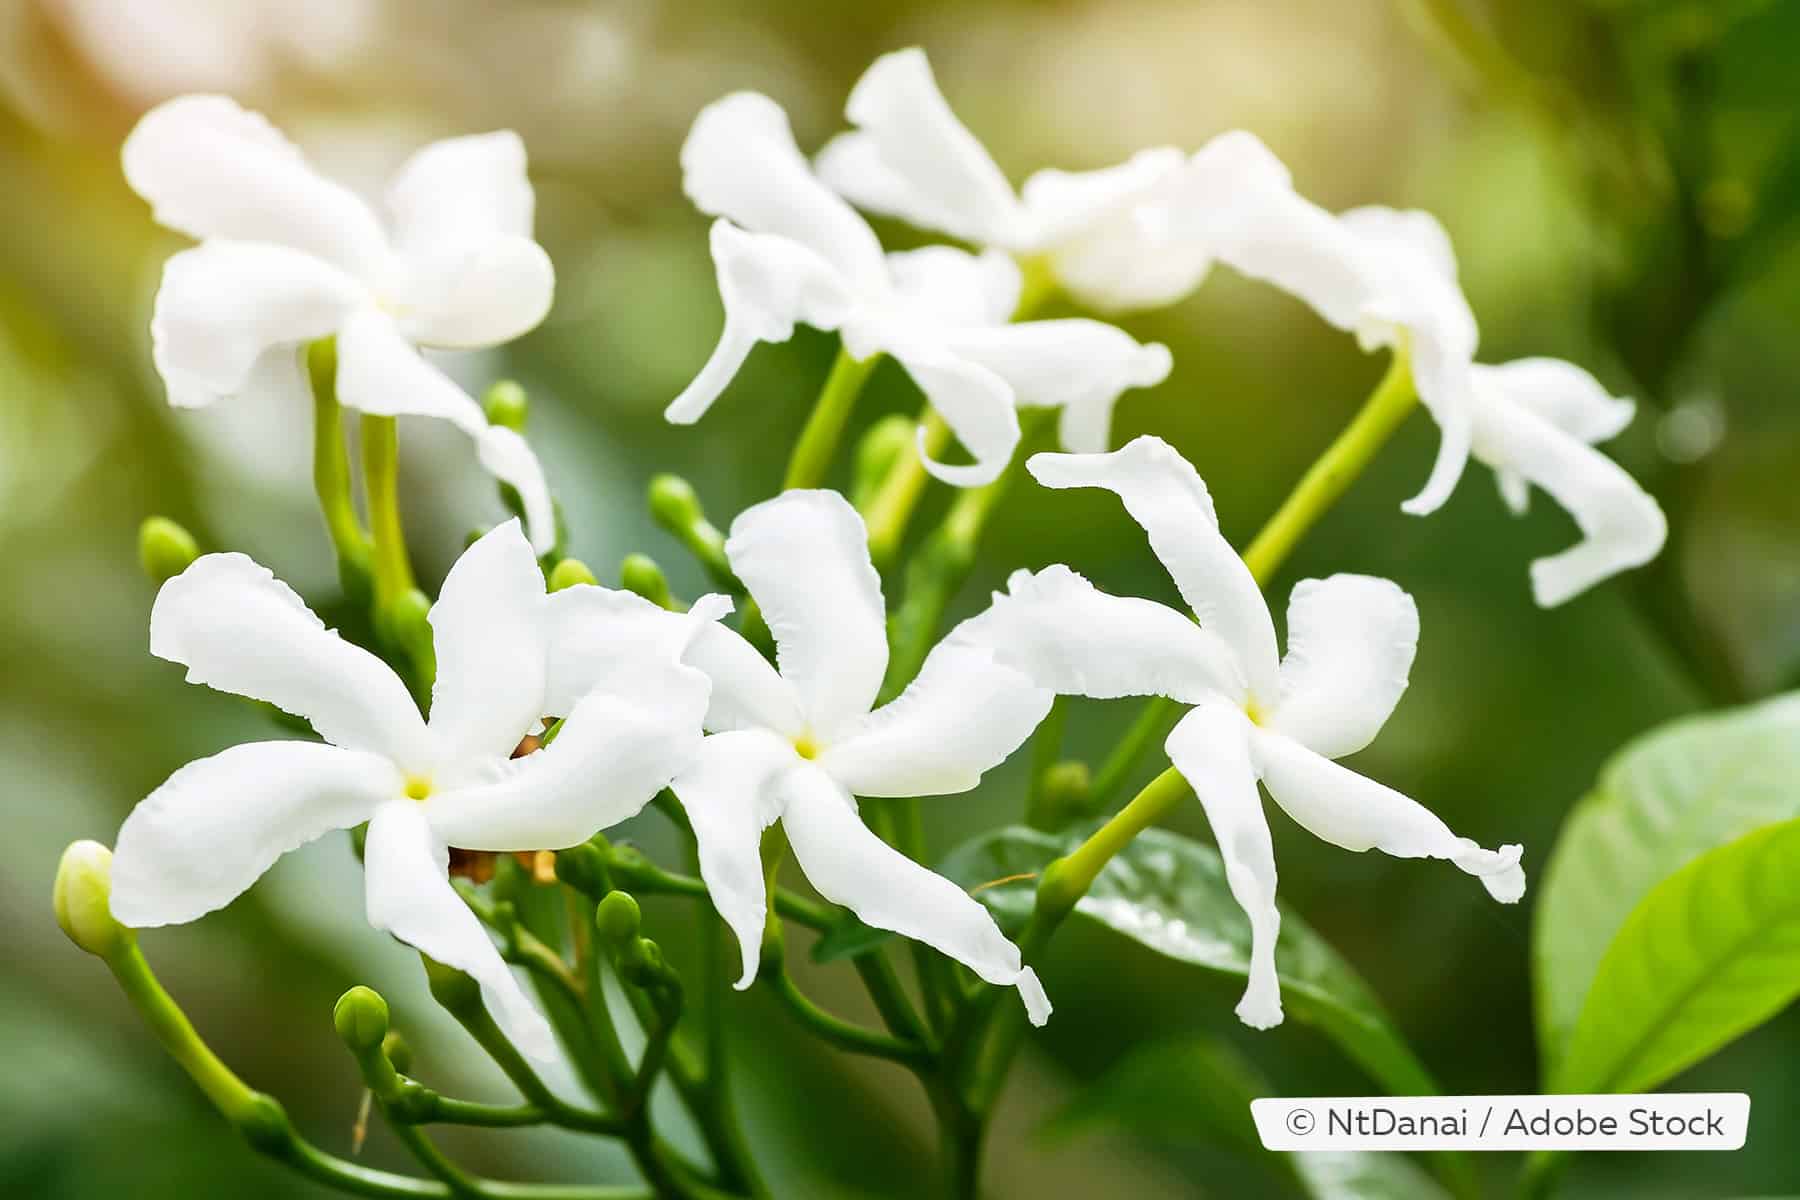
1712, 952
1168, 893
1196, 1088
1664, 800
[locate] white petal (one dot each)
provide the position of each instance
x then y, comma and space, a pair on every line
509, 458
914, 160
213, 827
1210, 747
1621, 523
488, 630
224, 305
1339, 806
1443, 350
238, 629
1164, 494
1071, 204
610, 757
462, 189
849, 865
962, 716
729, 797
767, 284
1079, 366
804, 556
740, 162
602, 640
1351, 640
1412, 235
1064, 634
211, 169
747, 693
1515, 490
475, 294
953, 287
1105, 254
379, 372
1561, 393
975, 403
405, 877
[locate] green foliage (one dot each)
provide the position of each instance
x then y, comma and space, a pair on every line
1168, 893
1712, 952
1662, 802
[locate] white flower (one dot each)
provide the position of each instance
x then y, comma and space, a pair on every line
797, 746
1256, 716
909, 157
1390, 277
789, 250
203, 837
287, 256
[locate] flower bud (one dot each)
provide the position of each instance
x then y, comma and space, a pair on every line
583, 867
618, 917
165, 549
361, 1018
82, 897
639, 573
505, 404
1068, 787
570, 572
674, 503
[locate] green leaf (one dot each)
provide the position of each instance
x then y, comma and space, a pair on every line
1168, 893
1712, 952
1661, 802
1196, 1088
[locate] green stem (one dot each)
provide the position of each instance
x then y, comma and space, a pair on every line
331, 472
381, 481
1147, 729
841, 1033
811, 459
638, 874
890, 509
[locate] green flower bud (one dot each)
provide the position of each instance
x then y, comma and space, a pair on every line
165, 549
674, 503
505, 404
876, 454
398, 1051
583, 868
618, 917
361, 1018
639, 573
570, 572
1068, 787
82, 897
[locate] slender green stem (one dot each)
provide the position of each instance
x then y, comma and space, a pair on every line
331, 472
811, 459
639, 874
890, 509
381, 481
841, 1033
1147, 729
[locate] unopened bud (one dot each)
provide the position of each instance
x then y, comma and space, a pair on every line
583, 867
639, 573
1068, 787
674, 503
82, 897
570, 572
618, 917
361, 1018
505, 404
165, 549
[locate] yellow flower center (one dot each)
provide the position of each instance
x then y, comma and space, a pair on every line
417, 787
805, 747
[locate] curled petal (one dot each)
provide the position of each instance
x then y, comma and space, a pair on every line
405, 874
1351, 641
768, 284
609, 758
850, 865
747, 693
1166, 496
224, 306
1064, 634
975, 403
804, 556
213, 827
509, 458
1622, 525
960, 718
488, 631
729, 796
740, 162
1339, 806
1211, 749
911, 158
1078, 366
238, 629
211, 169
1561, 393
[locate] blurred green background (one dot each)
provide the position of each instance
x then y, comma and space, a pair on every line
1618, 178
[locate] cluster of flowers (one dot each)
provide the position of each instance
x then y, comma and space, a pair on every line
650, 698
